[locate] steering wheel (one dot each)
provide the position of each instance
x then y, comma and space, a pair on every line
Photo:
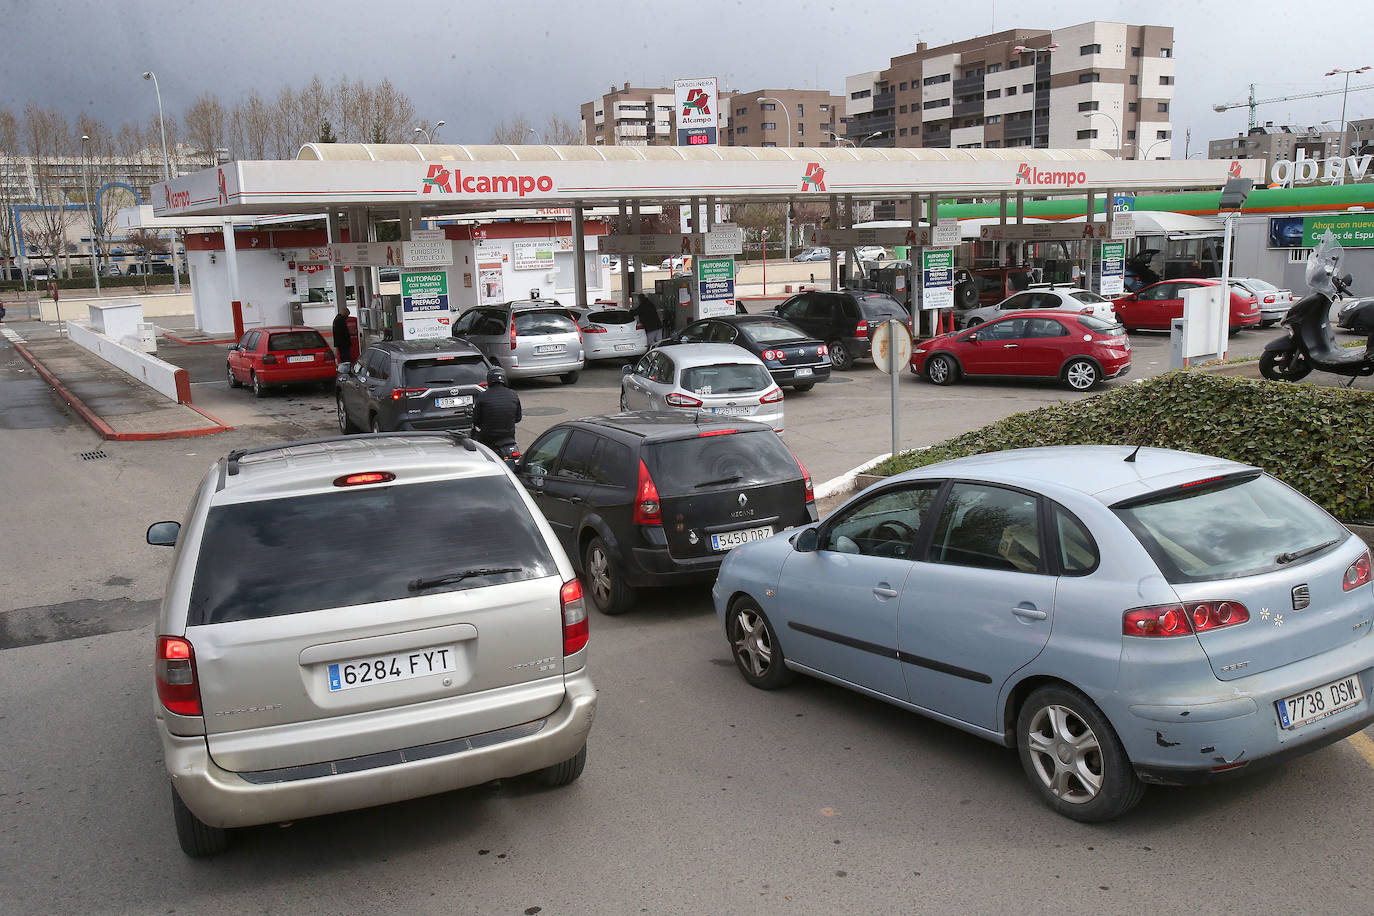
901, 531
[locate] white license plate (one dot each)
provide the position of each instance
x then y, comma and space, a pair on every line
306, 358
1319, 702
731, 539
803, 373
732, 411
629, 346
363, 672
550, 348
461, 401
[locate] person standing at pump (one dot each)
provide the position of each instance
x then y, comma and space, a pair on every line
649, 319
343, 339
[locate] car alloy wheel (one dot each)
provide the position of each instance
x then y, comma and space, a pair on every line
345, 426
233, 382
1080, 375
839, 355
1065, 754
608, 590
941, 369
259, 390
755, 647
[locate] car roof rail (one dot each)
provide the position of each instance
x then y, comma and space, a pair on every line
457, 437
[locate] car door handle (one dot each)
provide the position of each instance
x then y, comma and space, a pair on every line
1010, 346
883, 590
1029, 613
574, 499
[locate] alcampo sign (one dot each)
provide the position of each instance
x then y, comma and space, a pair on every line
440, 179
1031, 175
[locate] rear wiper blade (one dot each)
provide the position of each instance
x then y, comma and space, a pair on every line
743, 388
711, 483
416, 585
1306, 551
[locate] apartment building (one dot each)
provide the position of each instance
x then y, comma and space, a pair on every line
631, 116
1103, 85
1274, 143
784, 117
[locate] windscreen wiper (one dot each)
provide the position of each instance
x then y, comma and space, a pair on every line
711, 483
1305, 552
416, 585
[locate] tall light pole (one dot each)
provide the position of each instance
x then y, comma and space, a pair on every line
1149, 148
838, 139
1115, 127
1035, 78
166, 175
90, 214
1346, 92
876, 133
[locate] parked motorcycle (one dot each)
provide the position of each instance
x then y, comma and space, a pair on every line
1310, 343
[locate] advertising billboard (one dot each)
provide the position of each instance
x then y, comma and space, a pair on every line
697, 111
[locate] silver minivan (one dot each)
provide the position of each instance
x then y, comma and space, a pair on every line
529, 338
344, 627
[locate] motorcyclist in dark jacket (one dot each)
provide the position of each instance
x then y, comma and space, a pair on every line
496, 412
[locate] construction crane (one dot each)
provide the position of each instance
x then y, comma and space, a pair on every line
1253, 102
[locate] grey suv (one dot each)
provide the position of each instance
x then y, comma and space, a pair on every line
410, 384
529, 338
344, 627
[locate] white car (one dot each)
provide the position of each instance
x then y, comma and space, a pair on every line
610, 332
1070, 298
676, 264
871, 253
1273, 302
718, 379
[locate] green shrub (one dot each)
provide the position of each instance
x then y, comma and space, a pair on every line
1318, 440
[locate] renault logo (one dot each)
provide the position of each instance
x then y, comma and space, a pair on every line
743, 500
1301, 597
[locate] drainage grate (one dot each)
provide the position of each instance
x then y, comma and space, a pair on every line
93, 456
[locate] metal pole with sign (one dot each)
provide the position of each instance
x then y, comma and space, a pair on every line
891, 351
1232, 199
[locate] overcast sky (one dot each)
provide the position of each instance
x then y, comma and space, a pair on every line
473, 64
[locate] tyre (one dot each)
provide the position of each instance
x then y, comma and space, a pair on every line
1081, 374
972, 322
233, 382
1269, 323
1072, 756
560, 774
259, 389
569, 378
604, 580
941, 369
346, 425
754, 645
373, 425
1284, 365
807, 387
965, 295
622, 401
197, 838
840, 357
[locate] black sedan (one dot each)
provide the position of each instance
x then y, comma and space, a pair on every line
793, 359
1357, 315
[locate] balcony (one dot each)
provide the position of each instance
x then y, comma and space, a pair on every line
861, 126
1020, 129
969, 85
936, 138
963, 109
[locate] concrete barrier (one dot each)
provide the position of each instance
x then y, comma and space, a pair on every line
162, 377
155, 305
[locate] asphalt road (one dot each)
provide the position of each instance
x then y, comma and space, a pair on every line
700, 793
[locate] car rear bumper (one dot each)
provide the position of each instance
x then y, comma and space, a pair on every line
819, 373
318, 371
222, 798
610, 352
1123, 369
420, 424
542, 368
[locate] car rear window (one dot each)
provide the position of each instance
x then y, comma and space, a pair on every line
445, 370
1087, 297
725, 377
611, 316
732, 461
1093, 323
882, 307
772, 332
296, 340
1239, 525
274, 557
549, 322
1262, 286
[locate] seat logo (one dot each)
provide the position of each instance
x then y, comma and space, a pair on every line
1302, 597
814, 179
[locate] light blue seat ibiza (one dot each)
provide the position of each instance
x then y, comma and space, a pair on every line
1119, 616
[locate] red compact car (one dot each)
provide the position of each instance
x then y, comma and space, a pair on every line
281, 356
1153, 307
1080, 350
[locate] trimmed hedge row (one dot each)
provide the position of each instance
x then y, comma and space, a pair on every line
87, 282
1318, 440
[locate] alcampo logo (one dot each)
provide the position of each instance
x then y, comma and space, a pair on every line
696, 103
1234, 170
441, 179
1024, 172
814, 179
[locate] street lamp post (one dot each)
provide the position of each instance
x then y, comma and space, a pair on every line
876, 133
166, 176
787, 246
427, 131
1344, 94
1116, 129
1151, 147
1035, 77
90, 214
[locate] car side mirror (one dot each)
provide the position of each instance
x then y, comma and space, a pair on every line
972, 338
234, 347
627, 369
807, 542
163, 534
345, 370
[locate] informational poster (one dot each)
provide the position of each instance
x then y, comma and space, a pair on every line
937, 279
716, 286
491, 284
1113, 269
533, 255
424, 305
428, 253
946, 232
698, 114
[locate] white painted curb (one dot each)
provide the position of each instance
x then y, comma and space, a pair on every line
847, 481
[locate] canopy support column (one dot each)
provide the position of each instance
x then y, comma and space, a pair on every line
231, 260
637, 228
625, 259
834, 250
579, 257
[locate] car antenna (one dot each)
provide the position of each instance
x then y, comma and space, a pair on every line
1131, 456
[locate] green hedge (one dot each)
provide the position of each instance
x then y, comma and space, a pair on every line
86, 282
1318, 440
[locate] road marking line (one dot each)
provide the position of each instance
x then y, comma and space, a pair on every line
1362, 743
11, 336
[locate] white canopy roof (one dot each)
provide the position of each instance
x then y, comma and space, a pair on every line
1163, 222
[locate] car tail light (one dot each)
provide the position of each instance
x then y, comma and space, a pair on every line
772, 354
822, 350
512, 333
638, 325
1357, 573
269, 360
861, 329
647, 509
326, 354
771, 397
1086, 310
1183, 619
1269, 300
682, 400
398, 393
363, 479
806, 477
593, 329
708, 433
176, 676
575, 631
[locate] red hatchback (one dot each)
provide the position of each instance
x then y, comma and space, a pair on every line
1079, 350
1153, 307
281, 356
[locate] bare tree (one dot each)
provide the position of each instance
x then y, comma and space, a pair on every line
352, 106
48, 140
316, 105
516, 132
559, 131
251, 128
392, 115
205, 128
285, 125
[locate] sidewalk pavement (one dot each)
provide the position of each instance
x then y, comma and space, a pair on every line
116, 405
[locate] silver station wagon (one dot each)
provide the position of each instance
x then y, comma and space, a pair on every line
344, 627
1119, 616
530, 338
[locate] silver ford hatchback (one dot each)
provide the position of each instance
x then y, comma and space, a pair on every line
346, 626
